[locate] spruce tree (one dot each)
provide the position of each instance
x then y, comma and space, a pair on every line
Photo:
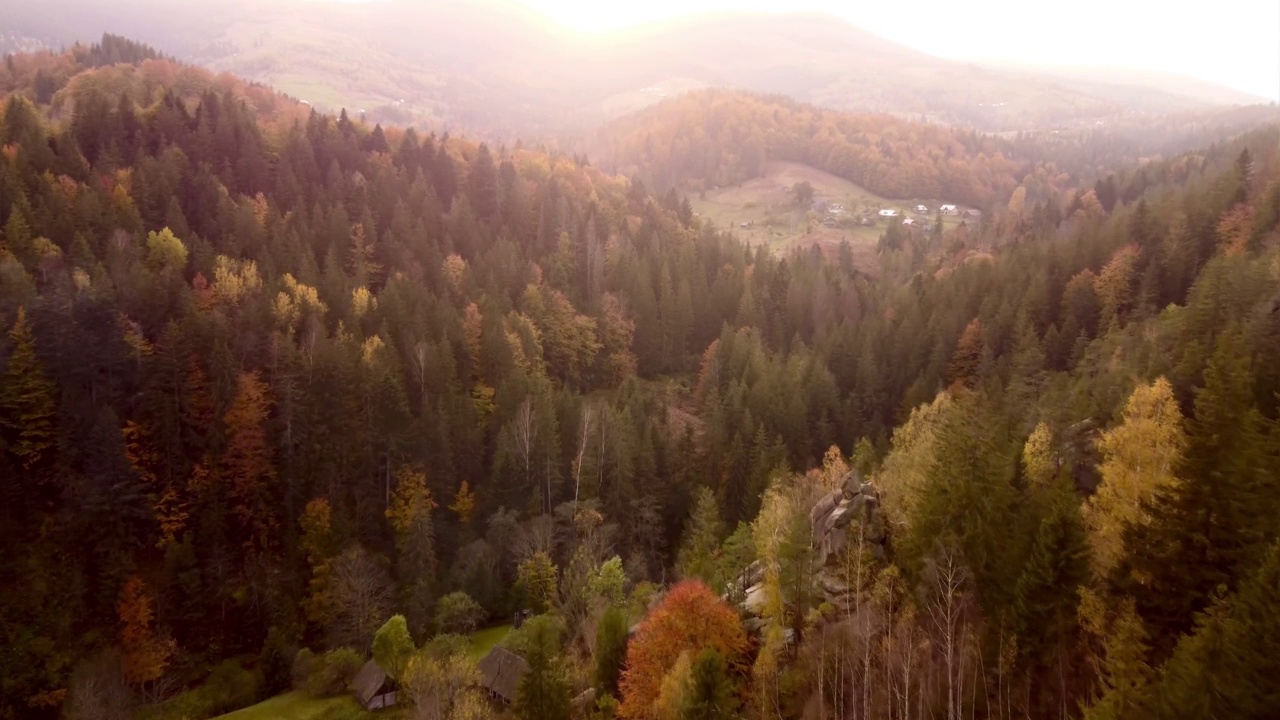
703, 533
1211, 523
27, 400
611, 650
543, 692
712, 695
1046, 595
1228, 666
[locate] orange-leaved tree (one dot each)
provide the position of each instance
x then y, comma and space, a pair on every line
690, 619
145, 656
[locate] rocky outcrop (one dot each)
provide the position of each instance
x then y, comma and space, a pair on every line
839, 520
848, 516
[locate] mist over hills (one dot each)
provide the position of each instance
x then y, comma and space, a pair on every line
965, 421
498, 69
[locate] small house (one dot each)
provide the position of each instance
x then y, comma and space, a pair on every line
909, 221
374, 688
500, 673
922, 210
835, 209
948, 210
887, 213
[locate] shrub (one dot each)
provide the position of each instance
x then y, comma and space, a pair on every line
520, 641
229, 687
232, 687
332, 672
458, 613
275, 661
443, 646
304, 663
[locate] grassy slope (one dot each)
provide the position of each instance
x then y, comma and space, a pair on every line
484, 640
297, 706
767, 203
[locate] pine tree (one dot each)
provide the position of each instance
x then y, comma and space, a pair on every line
966, 360
1211, 524
712, 695
410, 514
702, 536
1125, 683
482, 185
543, 692
1228, 666
967, 497
611, 649
27, 400
1046, 596
247, 465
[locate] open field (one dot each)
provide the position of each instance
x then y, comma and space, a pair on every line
768, 205
484, 640
297, 706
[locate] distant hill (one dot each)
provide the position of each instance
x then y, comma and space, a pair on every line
710, 138
498, 69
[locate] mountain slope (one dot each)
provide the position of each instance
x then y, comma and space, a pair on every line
340, 371
497, 68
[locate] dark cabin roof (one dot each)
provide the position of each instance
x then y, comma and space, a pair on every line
369, 682
502, 670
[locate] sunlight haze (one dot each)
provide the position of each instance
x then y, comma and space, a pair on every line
1216, 47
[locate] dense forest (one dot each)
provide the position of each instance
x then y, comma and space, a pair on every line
716, 137
280, 389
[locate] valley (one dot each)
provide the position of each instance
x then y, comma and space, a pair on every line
427, 361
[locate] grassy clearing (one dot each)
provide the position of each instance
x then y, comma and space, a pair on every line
767, 204
484, 640
297, 706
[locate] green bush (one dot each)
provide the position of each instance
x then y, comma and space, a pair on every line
447, 645
304, 663
275, 661
332, 672
519, 640
229, 687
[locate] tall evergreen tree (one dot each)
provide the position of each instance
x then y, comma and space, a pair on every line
27, 400
711, 695
543, 691
1210, 524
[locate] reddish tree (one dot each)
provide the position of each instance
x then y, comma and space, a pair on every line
145, 656
967, 360
247, 465
690, 619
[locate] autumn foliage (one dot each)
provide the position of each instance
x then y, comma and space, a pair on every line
690, 619
145, 655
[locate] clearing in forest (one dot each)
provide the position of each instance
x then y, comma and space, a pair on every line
768, 209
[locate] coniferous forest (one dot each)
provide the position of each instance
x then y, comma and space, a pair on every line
281, 391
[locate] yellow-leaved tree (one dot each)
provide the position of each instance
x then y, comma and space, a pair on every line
1139, 457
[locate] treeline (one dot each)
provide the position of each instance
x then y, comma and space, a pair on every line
717, 138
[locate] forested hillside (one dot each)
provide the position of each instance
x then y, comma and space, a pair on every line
272, 376
700, 140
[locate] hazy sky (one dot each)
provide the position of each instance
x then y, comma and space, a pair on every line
1235, 43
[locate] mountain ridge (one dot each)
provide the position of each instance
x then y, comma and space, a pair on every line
502, 70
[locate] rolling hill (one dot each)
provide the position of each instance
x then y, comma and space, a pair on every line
497, 69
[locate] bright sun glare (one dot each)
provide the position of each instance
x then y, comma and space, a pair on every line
1116, 33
